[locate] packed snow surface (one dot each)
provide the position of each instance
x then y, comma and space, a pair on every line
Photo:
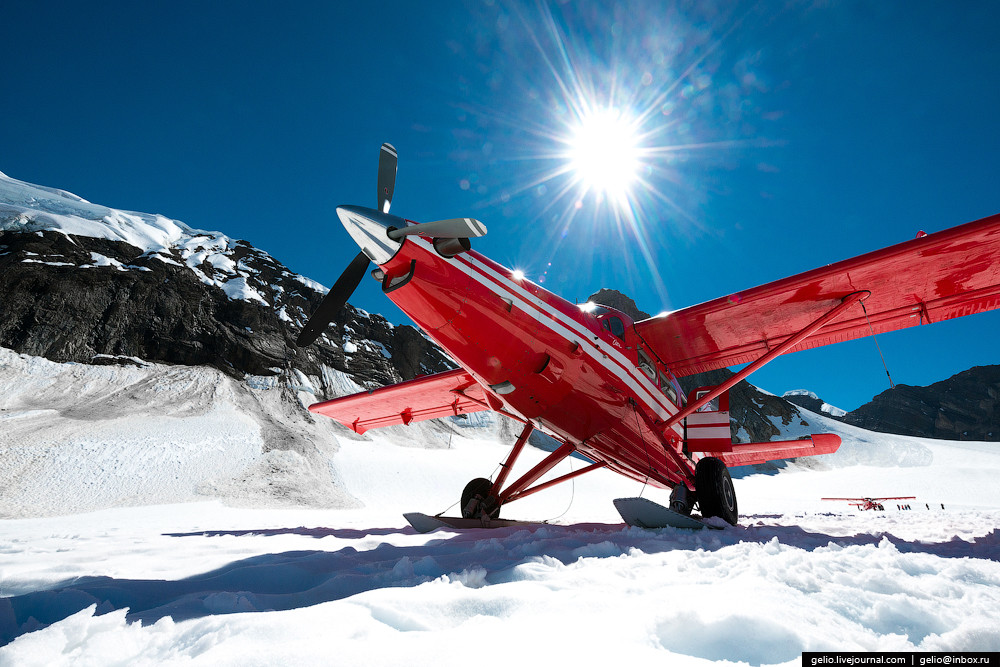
146, 531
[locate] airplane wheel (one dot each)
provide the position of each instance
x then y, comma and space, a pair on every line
476, 499
714, 486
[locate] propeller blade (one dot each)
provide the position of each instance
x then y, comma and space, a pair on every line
386, 176
455, 228
334, 300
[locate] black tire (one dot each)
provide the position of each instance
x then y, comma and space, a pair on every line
714, 486
479, 489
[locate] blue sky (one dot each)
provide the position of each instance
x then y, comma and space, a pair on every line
773, 138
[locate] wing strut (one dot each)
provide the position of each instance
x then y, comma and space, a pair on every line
791, 342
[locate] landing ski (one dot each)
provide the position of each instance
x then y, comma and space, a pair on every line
424, 523
644, 513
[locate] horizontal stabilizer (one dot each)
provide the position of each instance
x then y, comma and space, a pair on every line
761, 452
441, 395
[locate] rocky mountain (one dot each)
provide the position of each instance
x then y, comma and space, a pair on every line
966, 406
810, 401
91, 284
86, 283
754, 414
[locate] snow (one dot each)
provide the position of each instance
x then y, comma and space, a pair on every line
801, 392
825, 408
237, 288
31, 208
141, 527
832, 410
374, 344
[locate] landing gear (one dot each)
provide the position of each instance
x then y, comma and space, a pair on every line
477, 501
481, 498
681, 500
714, 487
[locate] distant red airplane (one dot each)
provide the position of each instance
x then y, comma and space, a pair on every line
605, 386
871, 503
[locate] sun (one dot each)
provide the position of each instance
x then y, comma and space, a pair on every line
604, 153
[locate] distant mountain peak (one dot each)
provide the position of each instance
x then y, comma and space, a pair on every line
618, 301
810, 401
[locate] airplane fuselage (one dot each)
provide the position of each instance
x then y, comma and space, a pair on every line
546, 360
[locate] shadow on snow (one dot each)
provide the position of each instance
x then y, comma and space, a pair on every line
294, 579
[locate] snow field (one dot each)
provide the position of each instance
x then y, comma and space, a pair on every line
113, 435
140, 582
759, 594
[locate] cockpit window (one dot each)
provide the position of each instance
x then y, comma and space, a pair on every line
616, 326
608, 318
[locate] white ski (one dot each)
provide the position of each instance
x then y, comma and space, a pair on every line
424, 523
644, 513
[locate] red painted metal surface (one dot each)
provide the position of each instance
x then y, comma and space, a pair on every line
527, 479
785, 346
528, 353
873, 504
422, 398
939, 276
760, 452
508, 465
573, 378
708, 428
558, 480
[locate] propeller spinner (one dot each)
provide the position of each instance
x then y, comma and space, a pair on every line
379, 235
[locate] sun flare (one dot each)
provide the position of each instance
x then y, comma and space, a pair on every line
604, 153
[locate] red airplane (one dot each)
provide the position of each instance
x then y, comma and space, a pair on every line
871, 503
606, 386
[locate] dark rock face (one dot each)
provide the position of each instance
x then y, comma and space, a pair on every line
966, 406
73, 298
615, 299
805, 401
750, 410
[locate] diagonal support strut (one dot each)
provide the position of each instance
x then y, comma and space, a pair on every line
791, 342
506, 466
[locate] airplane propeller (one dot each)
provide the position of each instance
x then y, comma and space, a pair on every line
352, 276
455, 228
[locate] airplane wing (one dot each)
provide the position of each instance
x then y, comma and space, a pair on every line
440, 395
938, 276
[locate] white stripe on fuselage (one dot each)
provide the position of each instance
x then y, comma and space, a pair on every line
565, 326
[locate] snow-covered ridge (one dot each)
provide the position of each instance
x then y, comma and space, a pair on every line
825, 408
25, 207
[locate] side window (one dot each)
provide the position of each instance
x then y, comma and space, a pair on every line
646, 366
711, 406
668, 389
